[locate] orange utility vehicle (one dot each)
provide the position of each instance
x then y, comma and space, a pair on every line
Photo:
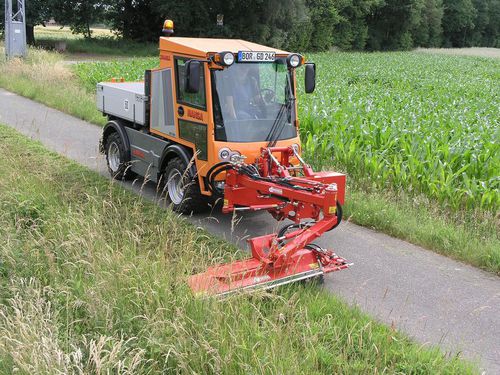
218, 118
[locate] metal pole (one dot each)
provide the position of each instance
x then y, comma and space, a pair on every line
8, 12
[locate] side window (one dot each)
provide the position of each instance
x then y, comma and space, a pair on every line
195, 100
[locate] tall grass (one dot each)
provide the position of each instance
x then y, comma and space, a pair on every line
93, 280
46, 78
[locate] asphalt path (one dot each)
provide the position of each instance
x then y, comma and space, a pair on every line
435, 300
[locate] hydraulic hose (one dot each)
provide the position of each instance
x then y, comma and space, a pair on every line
212, 175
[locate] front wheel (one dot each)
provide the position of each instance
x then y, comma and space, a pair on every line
182, 191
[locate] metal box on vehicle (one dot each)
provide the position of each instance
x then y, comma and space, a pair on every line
125, 100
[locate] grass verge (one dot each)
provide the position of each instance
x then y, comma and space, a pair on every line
472, 237
92, 280
103, 42
46, 78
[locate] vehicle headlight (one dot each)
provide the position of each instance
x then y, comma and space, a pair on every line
225, 58
224, 153
294, 60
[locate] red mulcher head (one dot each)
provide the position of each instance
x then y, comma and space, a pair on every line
255, 273
290, 255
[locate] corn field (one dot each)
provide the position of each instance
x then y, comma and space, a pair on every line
424, 124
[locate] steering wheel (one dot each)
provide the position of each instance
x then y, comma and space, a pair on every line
268, 96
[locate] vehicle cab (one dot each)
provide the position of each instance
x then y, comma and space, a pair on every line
231, 97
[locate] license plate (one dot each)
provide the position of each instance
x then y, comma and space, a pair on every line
254, 56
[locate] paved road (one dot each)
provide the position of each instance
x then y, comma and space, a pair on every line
435, 300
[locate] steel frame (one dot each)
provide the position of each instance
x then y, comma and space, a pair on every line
10, 18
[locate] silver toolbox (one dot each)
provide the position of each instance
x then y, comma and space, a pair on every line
125, 100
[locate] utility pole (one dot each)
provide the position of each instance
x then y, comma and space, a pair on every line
15, 29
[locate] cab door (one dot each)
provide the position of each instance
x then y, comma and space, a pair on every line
191, 111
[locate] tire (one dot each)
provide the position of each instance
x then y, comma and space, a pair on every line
339, 217
117, 158
186, 198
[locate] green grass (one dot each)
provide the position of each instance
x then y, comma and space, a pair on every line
103, 42
93, 278
468, 234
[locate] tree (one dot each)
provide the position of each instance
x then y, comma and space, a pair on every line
2, 18
352, 30
480, 22
78, 15
324, 16
491, 36
135, 19
37, 13
458, 22
390, 27
274, 22
428, 32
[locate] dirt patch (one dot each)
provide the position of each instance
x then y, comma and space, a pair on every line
474, 51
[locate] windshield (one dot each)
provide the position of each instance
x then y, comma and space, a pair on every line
253, 102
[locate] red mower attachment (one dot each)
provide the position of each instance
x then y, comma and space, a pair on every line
312, 201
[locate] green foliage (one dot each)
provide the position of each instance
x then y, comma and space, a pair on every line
428, 31
97, 284
324, 16
460, 16
79, 15
130, 70
300, 25
423, 124
352, 30
134, 19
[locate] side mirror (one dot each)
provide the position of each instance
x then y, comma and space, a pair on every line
192, 80
310, 78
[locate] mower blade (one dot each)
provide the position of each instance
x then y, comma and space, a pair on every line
251, 274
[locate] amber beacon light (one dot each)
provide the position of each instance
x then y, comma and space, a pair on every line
168, 27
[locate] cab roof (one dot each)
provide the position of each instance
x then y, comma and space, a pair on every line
204, 46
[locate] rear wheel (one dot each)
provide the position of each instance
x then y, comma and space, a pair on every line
182, 191
116, 157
